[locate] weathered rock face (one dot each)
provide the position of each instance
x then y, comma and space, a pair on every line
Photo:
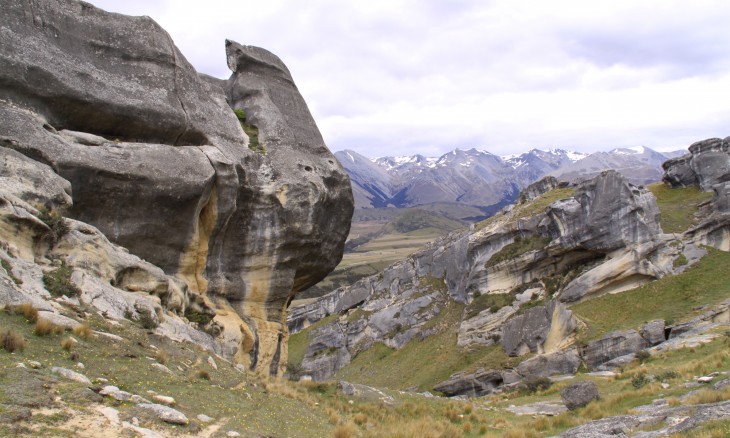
613, 345
544, 365
710, 161
158, 162
678, 172
706, 165
671, 421
542, 329
481, 382
539, 188
606, 213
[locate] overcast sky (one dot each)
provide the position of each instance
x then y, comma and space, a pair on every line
399, 77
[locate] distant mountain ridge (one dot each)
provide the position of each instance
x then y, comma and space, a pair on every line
480, 178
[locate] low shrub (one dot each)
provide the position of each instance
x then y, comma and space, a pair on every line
56, 223
642, 355
58, 282
148, 321
639, 380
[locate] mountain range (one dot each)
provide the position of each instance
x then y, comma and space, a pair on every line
480, 178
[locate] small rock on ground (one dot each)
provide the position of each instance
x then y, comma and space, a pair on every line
166, 413
204, 418
71, 375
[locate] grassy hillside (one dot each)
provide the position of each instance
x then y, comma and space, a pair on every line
435, 358
35, 402
678, 207
672, 298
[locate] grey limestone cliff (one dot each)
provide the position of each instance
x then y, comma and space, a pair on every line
155, 158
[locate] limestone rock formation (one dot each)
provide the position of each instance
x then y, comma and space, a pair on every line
475, 384
152, 155
706, 165
532, 265
662, 422
540, 329
545, 365
613, 345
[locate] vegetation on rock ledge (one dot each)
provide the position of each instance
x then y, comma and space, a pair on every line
252, 131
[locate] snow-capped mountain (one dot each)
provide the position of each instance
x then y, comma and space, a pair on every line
639, 164
480, 178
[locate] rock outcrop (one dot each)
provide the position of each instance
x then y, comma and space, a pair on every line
475, 384
706, 165
613, 345
530, 264
150, 153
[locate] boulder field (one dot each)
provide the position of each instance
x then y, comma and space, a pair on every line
217, 216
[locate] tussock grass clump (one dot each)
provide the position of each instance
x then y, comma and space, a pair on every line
27, 310
44, 327
11, 341
82, 330
68, 343
162, 357
347, 430
360, 418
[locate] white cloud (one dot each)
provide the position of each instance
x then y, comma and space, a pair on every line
401, 77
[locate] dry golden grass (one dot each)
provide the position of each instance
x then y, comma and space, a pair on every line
161, 356
709, 396
44, 327
423, 427
347, 430
68, 343
11, 341
360, 418
521, 433
27, 310
82, 330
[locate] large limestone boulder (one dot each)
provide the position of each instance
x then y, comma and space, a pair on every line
157, 160
578, 394
678, 172
710, 162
